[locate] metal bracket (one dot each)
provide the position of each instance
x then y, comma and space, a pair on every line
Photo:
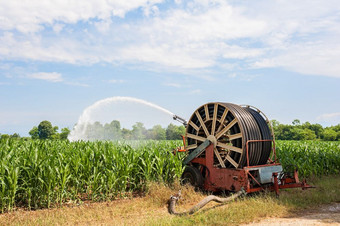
196, 152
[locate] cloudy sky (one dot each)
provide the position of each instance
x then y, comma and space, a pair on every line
58, 57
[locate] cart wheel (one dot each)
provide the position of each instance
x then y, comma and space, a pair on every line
192, 176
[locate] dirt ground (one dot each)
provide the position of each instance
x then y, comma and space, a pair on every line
327, 215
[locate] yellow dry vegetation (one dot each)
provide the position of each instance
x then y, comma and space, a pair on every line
151, 209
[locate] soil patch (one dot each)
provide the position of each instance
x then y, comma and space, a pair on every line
326, 215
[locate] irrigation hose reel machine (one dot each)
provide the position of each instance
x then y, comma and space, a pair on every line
232, 147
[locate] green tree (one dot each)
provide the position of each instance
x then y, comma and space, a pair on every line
55, 129
158, 133
329, 134
138, 131
296, 133
95, 131
170, 131
15, 135
180, 131
317, 128
337, 130
34, 133
283, 132
45, 130
308, 134
64, 133
112, 131
55, 136
4, 136
126, 134
296, 122
174, 132
274, 123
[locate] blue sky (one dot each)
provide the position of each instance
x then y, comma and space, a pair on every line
59, 57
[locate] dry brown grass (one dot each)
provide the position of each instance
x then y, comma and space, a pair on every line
137, 210
152, 209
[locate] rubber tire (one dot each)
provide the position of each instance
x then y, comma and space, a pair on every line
192, 176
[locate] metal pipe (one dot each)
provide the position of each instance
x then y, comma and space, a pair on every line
179, 119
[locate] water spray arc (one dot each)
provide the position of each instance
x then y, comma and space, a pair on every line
79, 131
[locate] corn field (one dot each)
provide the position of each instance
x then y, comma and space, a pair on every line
38, 173
46, 173
309, 157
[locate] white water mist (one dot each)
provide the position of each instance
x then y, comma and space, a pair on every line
88, 115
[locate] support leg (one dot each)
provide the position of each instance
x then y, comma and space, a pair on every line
276, 183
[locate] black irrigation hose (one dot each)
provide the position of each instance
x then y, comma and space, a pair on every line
251, 125
266, 135
251, 131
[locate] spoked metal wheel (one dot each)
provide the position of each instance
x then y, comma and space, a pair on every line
229, 126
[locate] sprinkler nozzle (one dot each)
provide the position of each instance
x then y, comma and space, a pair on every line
179, 119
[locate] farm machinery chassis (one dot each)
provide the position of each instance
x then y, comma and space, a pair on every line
229, 148
250, 178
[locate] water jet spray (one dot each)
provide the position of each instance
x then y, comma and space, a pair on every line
90, 114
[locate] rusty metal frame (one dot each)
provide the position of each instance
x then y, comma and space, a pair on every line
217, 179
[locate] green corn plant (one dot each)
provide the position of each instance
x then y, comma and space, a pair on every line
310, 157
46, 173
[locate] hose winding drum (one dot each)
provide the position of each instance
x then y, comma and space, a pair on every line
230, 126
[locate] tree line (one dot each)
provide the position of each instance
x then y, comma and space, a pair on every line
305, 131
114, 131
108, 131
44, 130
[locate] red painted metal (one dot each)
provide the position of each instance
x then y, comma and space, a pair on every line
180, 149
200, 161
276, 183
296, 176
183, 138
217, 179
222, 178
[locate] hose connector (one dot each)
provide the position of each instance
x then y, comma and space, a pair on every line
179, 119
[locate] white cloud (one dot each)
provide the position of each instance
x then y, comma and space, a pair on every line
57, 28
116, 81
166, 55
189, 37
151, 11
77, 84
237, 52
55, 77
48, 76
31, 47
312, 59
103, 26
330, 118
176, 85
29, 16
